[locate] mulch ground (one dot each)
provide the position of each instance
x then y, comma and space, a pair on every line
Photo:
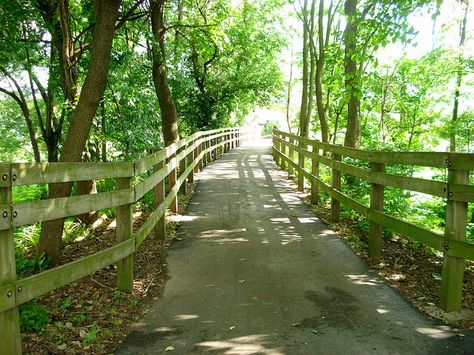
89, 315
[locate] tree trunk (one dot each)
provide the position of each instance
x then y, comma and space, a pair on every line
305, 79
169, 120
288, 98
459, 75
312, 67
352, 83
106, 12
87, 187
323, 42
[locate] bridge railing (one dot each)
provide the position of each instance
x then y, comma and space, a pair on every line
291, 151
176, 163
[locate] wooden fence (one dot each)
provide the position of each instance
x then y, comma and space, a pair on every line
456, 191
177, 162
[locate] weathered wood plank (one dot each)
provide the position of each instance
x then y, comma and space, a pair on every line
124, 232
172, 177
301, 159
159, 195
146, 185
37, 285
458, 192
459, 248
149, 161
5, 172
45, 210
314, 172
146, 228
42, 173
376, 203
453, 267
5, 221
10, 340
432, 159
336, 185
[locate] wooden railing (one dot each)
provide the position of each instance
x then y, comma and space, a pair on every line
177, 162
456, 191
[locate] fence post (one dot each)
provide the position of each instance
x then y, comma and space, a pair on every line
376, 204
196, 155
453, 267
182, 167
200, 148
10, 339
208, 145
159, 197
301, 160
190, 158
315, 172
172, 177
336, 184
123, 232
291, 155
274, 146
284, 148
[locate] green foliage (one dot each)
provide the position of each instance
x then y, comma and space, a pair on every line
33, 317
26, 266
268, 127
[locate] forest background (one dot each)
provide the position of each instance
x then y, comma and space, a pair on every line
112, 80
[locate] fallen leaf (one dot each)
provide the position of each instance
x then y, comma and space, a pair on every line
62, 347
82, 333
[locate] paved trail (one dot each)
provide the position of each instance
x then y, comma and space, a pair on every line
257, 273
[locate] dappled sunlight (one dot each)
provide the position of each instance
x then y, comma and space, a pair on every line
182, 218
363, 279
186, 316
223, 236
306, 220
250, 344
382, 311
439, 332
285, 220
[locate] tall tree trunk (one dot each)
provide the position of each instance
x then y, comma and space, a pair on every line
312, 68
459, 75
352, 82
305, 73
87, 187
288, 97
106, 12
323, 42
169, 120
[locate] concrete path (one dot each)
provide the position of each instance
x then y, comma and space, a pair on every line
257, 273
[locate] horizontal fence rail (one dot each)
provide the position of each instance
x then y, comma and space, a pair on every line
456, 191
175, 163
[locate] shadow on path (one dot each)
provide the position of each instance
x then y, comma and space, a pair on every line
257, 273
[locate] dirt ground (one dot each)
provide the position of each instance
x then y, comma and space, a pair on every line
89, 315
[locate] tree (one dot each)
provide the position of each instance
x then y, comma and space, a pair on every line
459, 76
169, 118
106, 13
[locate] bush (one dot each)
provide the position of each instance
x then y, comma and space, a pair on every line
33, 317
268, 127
